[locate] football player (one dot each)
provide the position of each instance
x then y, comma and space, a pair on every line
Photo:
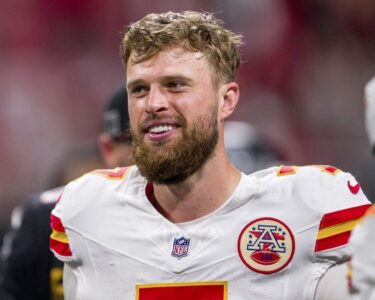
184, 223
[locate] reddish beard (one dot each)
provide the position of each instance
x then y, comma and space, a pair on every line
171, 164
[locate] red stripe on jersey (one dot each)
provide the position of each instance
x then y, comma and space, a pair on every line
60, 248
342, 216
198, 292
56, 224
332, 241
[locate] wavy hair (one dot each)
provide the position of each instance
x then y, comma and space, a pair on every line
194, 31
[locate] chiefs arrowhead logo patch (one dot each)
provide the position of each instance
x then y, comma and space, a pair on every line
354, 188
266, 245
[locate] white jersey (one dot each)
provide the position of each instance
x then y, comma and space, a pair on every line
274, 238
362, 264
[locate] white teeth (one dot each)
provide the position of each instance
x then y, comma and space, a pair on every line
160, 128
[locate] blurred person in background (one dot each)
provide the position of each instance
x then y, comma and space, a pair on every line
184, 222
362, 263
30, 270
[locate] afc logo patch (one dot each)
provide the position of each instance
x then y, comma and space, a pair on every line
266, 245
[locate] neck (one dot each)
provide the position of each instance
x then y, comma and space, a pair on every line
201, 193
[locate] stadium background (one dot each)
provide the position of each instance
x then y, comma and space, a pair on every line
305, 65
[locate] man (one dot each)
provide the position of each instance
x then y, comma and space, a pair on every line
362, 264
31, 272
184, 223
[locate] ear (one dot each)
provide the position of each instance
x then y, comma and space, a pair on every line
229, 95
106, 145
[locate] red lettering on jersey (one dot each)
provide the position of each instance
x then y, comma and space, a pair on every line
286, 170
183, 291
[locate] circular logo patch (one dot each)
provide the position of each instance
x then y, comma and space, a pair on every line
266, 245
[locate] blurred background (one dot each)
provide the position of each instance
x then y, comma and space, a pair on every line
305, 66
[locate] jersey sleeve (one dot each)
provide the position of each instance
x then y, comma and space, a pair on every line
361, 267
344, 203
72, 215
59, 241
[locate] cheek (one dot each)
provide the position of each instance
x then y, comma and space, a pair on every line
200, 102
134, 113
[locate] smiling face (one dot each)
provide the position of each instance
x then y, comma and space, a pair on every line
173, 108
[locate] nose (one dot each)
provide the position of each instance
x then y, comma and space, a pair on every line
157, 100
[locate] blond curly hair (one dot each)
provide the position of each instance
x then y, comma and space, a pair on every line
194, 31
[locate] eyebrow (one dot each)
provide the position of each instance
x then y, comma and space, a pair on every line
177, 78
137, 82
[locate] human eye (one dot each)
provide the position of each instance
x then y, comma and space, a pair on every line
138, 91
176, 85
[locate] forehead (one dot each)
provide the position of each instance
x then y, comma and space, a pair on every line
169, 62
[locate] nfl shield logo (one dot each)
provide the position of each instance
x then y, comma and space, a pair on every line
180, 247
